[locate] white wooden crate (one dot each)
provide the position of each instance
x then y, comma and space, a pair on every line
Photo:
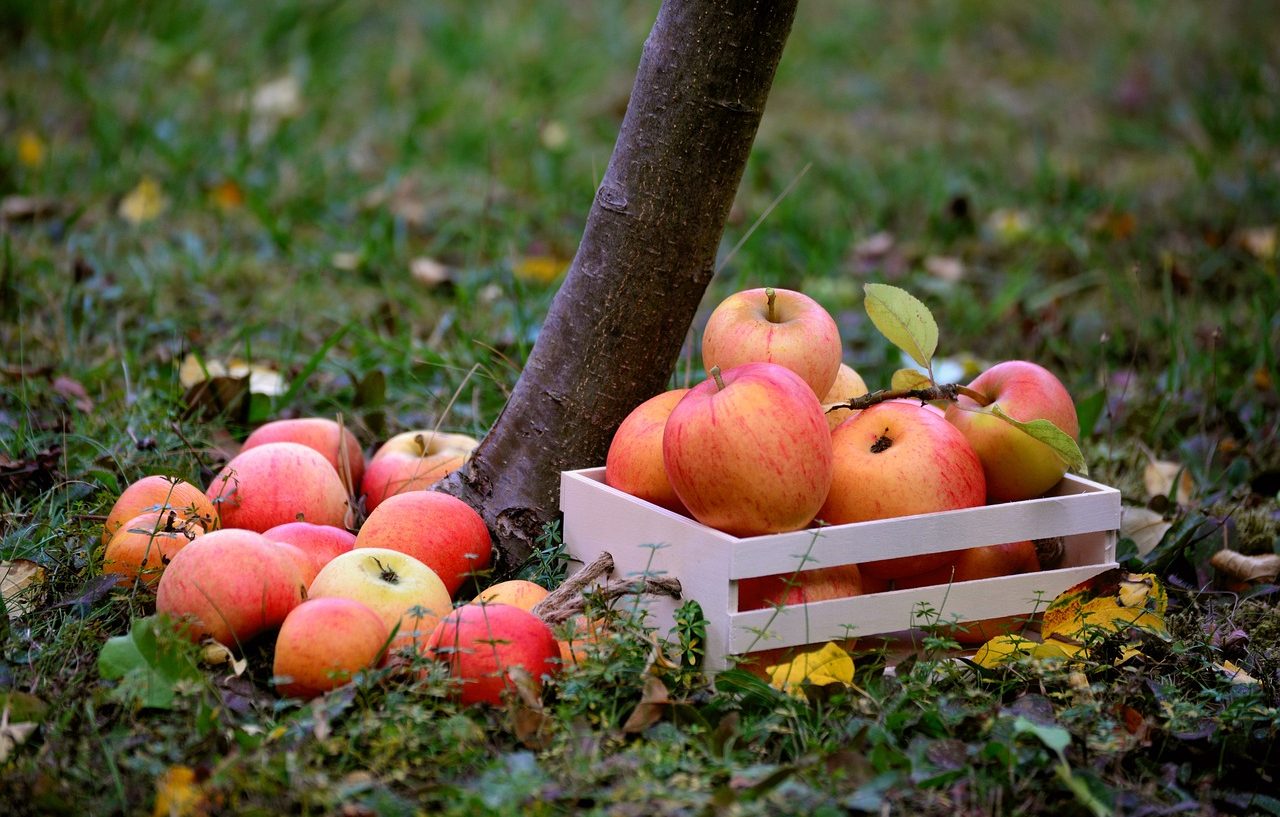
643, 537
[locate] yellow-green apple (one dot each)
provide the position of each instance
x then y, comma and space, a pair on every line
275, 483
406, 594
440, 531
516, 592
848, 385
484, 643
413, 461
748, 451
323, 643
143, 546
900, 459
323, 542
789, 589
230, 585
1017, 466
789, 328
334, 441
160, 493
634, 461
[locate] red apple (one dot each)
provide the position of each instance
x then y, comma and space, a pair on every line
334, 441
159, 493
787, 589
751, 454
791, 329
900, 459
275, 483
848, 385
516, 592
144, 545
303, 561
323, 542
230, 585
634, 462
1017, 466
483, 643
972, 564
440, 531
323, 643
413, 461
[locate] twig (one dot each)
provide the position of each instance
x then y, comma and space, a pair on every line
569, 599
945, 391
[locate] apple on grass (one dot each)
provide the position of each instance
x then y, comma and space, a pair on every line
275, 483
323, 643
1017, 466
144, 545
490, 648
516, 592
413, 461
748, 451
322, 542
159, 493
334, 441
634, 462
780, 326
900, 459
230, 585
439, 530
408, 596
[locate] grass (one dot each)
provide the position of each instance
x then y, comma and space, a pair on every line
1107, 176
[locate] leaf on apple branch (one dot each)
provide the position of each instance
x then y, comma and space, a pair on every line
1046, 432
909, 379
904, 320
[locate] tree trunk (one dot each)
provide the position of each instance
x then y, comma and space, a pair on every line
614, 330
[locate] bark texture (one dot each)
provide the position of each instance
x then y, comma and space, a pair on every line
614, 330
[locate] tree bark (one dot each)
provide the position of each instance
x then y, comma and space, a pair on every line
614, 330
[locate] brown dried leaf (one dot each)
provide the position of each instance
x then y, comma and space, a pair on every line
1262, 568
1144, 526
17, 582
27, 208
1159, 476
74, 392
654, 701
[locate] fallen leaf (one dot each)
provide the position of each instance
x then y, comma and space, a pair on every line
829, 664
1144, 526
345, 261
13, 735
1159, 475
1261, 568
215, 654
74, 392
1113, 600
178, 793
31, 149
280, 98
429, 272
226, 195
874, 246
18, 580
262, 379
1007, 225
1259, 241
654, 701
144, 202
1238, 676
542, 269
1003, 648
27, 208
945, 267
1116, 224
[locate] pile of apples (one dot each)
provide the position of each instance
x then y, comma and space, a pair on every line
267, 548
753, 450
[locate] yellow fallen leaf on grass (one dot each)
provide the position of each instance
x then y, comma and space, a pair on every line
829, 664
144, 202
17, 579
31, 149
542, 269
262, 379
178, 794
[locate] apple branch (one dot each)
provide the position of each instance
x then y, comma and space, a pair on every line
945, 391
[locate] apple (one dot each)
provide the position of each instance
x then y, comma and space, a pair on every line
275, 483
900, 459
577, 635
323, 643
789, 328
439, 530
334, 441
516, 592
634, 461
971, 564
158, 493
788, 589
848, 385
302, 560
142, 547
408, 596
483, 643
1017, 466
748, 451
230, 584
413, 461
323, 542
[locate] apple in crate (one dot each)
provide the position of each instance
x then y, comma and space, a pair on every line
322, 542
334, 441
439, 530
791, 589
413, 461
900, 459
1017, 466
275, 483
323, 643
634, 461
486, 644
230, 585
774, 326
848, 385
748, 451
160, 493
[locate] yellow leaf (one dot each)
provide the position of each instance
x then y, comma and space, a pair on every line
262, 379
542, 269
1003, 648
1238, 676
177, 793
1114, 600
144, 202
829, 664
16, 578
31, 149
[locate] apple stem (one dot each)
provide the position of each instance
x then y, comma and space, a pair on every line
976, 396
715, 374
947, 391
771, 297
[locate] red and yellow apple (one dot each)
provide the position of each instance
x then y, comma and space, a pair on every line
334, 441
634, 461
413, 461
790, 329
144, 545
160, 493
440, 531
1017, 466
516, 592
275, 483
848, 385
323, 542
790, 589
323, 643
749, 452
484, 643
230, 585
303, 561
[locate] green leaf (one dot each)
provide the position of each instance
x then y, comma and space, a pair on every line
904, 320
908, 379
1049, 434
1054, 737
149, 662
